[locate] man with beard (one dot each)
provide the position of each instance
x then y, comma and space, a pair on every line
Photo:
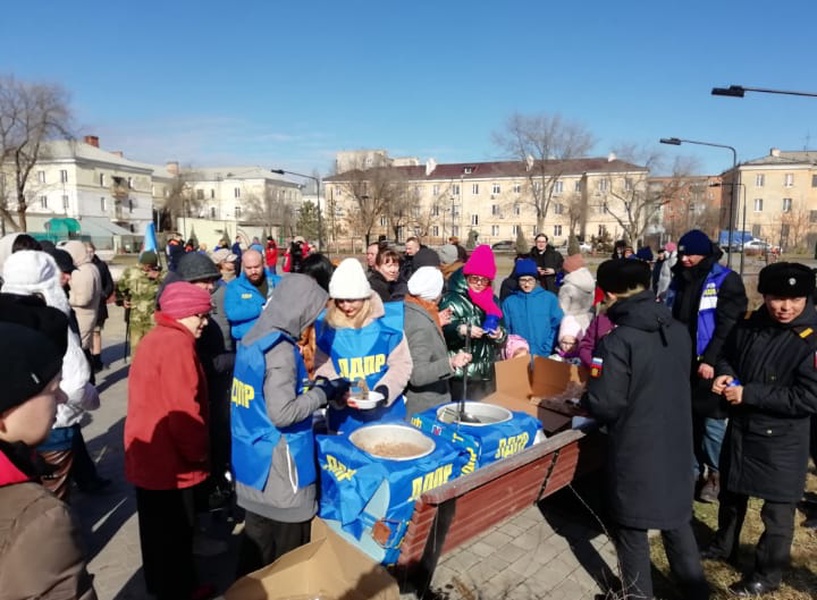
247, 294
709, 299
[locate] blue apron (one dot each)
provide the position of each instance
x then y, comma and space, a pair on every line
254, 437
362, 354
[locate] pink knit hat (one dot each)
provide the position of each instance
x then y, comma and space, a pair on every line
514, 344
182, 299
481, 263
670, 247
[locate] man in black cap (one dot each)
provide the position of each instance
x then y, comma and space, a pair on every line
709, 299
639, 389
768, 377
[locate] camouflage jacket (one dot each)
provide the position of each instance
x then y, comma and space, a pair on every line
141, 291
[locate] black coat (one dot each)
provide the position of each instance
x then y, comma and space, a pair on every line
549, 259
765, 452
642, 395
387, 290
107, 288
731, 307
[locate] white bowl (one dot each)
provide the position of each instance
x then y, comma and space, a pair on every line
365, 403
488, 414
376, 440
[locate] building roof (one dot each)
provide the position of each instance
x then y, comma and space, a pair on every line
61, 150
505, 169
785, 157
235, 172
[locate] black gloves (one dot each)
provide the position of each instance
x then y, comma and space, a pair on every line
382, 389
334, 389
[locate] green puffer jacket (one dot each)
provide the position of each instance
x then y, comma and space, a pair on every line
483, 350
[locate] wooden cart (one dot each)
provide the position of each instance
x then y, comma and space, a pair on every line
450, 515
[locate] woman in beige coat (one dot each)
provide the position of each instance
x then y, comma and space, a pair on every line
86, 290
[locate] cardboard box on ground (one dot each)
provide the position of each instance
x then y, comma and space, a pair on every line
538, 388
327, 568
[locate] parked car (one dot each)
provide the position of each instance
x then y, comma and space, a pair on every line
505, 246
756, 247
585, 247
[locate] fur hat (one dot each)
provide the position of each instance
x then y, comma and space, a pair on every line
223, 255
29, 360
195, 266
574, 262
619, 276
481, 263
427, 283
349, 281
695, 242
525, 267
786, 280
448, 254
182, 299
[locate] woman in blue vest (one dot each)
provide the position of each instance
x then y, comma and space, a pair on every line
273, 445
359, 337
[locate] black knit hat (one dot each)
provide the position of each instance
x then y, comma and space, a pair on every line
29, 360
63, 260
32, 312
619, 276
786, 280
196, 266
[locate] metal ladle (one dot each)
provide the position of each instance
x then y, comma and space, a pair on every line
462, 416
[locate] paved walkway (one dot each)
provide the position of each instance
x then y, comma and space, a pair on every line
551, 551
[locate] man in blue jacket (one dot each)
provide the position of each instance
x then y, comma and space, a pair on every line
246, 295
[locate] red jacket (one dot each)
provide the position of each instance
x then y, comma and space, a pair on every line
272, 255
166, 429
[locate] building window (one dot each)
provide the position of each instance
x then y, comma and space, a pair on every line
455, 211
495, 210
628, 184
130, 183
814, 181
558, 187
435, 190
212, 193
44, 202
468, 170
537, 185
602, 185
557, 230
130, 205
199, 194
515, 230
495, 230
212, 212
455, 230
383, 221
786, 205
455, 189
474, 220
788, 180
756, 231
760, 180
812, 216
517, 187
41, 176
237, 192
517, 209
63, 176
558, 209
577, 187
475, 189
495, 188
102, 179
103, 205
65, 202
237, 212
758, 204
435, 230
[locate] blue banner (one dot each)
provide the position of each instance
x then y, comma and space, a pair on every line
484, 443
150, 243
372, 499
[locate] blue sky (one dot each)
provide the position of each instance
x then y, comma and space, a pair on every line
288, 84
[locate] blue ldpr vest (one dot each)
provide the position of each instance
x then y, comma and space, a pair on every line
707, 306
362, 354
254, 435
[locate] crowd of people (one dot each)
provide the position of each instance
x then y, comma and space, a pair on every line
236, 367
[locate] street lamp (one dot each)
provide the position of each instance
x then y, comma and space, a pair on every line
743, 224
674, 141
317, 181
738, 91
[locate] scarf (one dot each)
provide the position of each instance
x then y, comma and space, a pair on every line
430, 307
485, 300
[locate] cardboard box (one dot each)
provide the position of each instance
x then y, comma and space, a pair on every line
526, 386
326, 568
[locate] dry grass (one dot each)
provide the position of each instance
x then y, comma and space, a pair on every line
799, 582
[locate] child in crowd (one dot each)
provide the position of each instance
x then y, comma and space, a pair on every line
515, 346
570, 332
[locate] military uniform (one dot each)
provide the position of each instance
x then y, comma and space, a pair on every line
141, 290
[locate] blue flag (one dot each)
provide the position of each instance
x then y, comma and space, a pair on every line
150, 242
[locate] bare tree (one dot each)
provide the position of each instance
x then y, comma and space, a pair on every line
632, 201
180, 201
376, 193
31, 114
795, 228
544, 143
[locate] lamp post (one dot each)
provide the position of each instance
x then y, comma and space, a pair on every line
743, 224
738, 91
674, 141
317, 181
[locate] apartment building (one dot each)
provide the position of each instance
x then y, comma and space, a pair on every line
106, 192
497, 199
776, 197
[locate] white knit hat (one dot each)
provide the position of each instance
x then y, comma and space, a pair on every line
427, 283
349, 281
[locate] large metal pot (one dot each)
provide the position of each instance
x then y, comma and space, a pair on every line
487, 414
393, 441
